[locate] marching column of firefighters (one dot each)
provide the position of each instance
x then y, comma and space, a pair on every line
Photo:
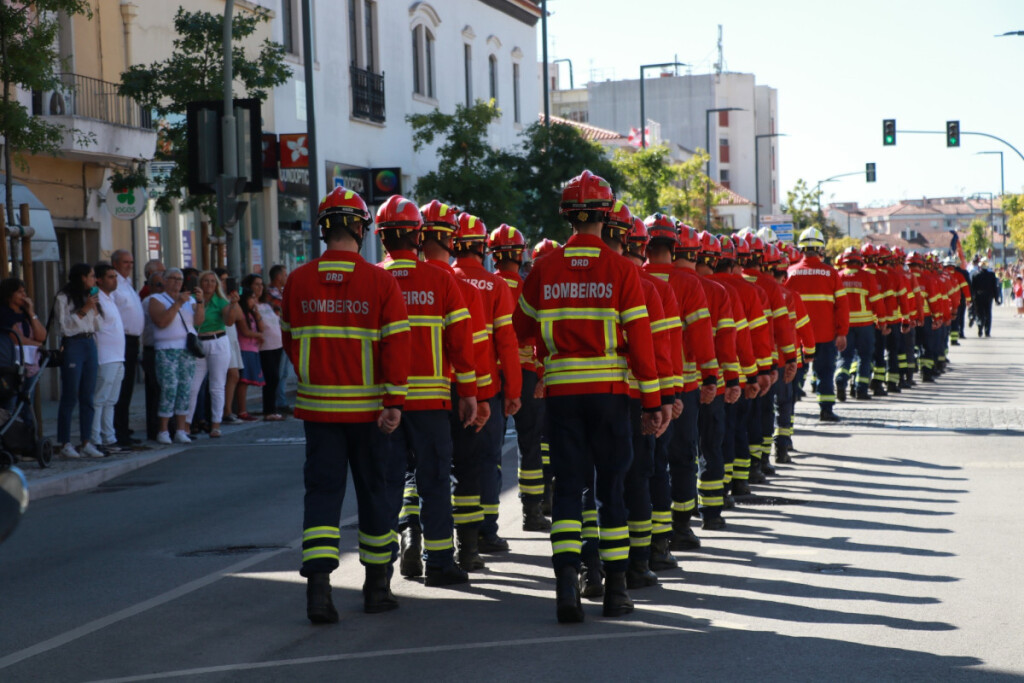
651, 371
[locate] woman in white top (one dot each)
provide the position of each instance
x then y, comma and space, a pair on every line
271, 349
174, 315
79, 316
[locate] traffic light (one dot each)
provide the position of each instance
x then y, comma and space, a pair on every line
889, 131
869, 168
952, 133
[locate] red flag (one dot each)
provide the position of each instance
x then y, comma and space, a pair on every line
634, 137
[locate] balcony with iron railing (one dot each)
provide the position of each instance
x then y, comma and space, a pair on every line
367, 95
90, 98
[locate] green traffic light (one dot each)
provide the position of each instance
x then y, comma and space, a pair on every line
888, 139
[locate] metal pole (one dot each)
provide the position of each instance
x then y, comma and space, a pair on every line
544, 48
3, 241
757, 185
643, 113
26, 249
1002, 211
707, 169
314, 159
229, 145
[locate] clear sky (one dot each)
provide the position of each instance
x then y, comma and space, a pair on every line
840, 67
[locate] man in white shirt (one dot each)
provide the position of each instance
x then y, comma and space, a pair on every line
129, 305
110, 347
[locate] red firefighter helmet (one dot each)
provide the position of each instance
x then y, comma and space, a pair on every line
399, 214
687, 242
852, 255
914, 259
637, 238
544, 247
728, 248
471, 235
619, 221
898, 254
343, 206
661, 227
742, 248
439, 217
506, 238
771, 255
869, 251
586, 198
709, 244
756, 245
785, 259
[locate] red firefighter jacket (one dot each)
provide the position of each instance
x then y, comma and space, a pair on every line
782, 329
755, 306
863, 296
581, 301
345, 329
661, 339
819, 286
720, 308
441, 332
744, 344
671, 324
700, 366
527, 353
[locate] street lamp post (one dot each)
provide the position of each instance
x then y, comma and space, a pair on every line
757, 175
572, 85
707, 165
544, 48
643, 112
1002, 193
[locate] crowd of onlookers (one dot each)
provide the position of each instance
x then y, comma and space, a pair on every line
1011, 281
203, 339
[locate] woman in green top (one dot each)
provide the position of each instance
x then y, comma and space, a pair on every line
220, 312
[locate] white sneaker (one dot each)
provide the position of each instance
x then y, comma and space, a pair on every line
91, 451
68, 452
163, 437
181, 437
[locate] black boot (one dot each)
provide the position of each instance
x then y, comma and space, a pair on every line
754, 474
927, 376
878, 387
567, 596
740, 487
661, 559
715, 523
639, 574
319, 607
826, 414
533, 518
893, 388
451, 575
782, 454
729, 502
549, 495
766, 466
683, 537
411, 543
377, 595
591, 579
492, 543
841, 392
862, 393
469, 554
616, 597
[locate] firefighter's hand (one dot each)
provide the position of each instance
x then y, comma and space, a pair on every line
467, 410
773, 377
764, 383
483, 413
841, 343
885, 330
389, 420
936, 324
666, 419
732, 394
677, 409
512, 406
707, 393
538, 391
650, 423
905, 326
752, 390
789, 372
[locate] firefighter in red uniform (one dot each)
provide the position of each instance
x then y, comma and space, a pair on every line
470, 248
440, 222
819, 286
541, 249
582, 302
443, 339
867, 313
786, 397
507, 245
889, 306
346, 331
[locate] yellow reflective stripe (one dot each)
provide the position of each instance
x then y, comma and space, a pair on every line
402, 263
304, 358
779, 312
465, 377
725, 324
632, 314
592, 252
337, 405
661, 326
757, 322
569, 546
320, 552
455, 316
484, 380
620, 533
696, 315
674, 322
335, 266
527, 308
338, 332
742, 324
426, 321
285, 327
567, 526
650, 386
480, 336
438, 545
581, 377
806, 320
377, 541
820, 297
489, 328
748, 369
553, 314
340, 391
321, 532
556, 365
503, 320
394, 328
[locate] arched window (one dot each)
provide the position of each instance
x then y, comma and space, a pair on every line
492, 73
424, 24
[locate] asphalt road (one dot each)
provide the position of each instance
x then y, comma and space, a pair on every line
892, 553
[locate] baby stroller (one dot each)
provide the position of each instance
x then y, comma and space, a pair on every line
17, 424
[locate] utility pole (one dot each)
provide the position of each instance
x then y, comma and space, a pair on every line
229, 147
314, 163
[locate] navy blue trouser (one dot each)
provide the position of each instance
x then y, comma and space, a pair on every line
928, 339
682, 458
492, 439
466, 509
752, 429
332, 449
529, 425
422, 456
768, 416
591, 444
860, 342
741, 445
729, 440
711, 486
661, 485
785, 404
824, 370
637, 487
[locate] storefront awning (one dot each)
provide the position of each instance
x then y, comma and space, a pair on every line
44, 241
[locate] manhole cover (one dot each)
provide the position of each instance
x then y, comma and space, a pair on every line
111, 487
767, 500
232, 550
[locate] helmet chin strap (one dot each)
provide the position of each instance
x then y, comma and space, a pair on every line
432, 236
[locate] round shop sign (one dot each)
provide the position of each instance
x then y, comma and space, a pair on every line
127, 204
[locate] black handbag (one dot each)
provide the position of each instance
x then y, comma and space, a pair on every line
55, 357
192, 343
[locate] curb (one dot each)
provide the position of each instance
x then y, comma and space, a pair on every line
91, 477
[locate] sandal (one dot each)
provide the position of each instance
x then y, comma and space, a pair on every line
246, 417
274, 417
214, 433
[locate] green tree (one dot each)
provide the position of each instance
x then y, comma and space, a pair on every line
836, 245
652, 183
1013, 207
29, 60
470, 173
802, 204
548, 158
977, 241
195, 72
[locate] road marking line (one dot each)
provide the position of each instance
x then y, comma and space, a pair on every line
301, 661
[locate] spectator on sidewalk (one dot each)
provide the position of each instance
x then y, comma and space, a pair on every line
1018, 295
219, 312
79, 316
155, 285
174, 314
271, 350
152, 266
250, 336
278, 278
235, 364
111, 343
18, 313
129, 306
